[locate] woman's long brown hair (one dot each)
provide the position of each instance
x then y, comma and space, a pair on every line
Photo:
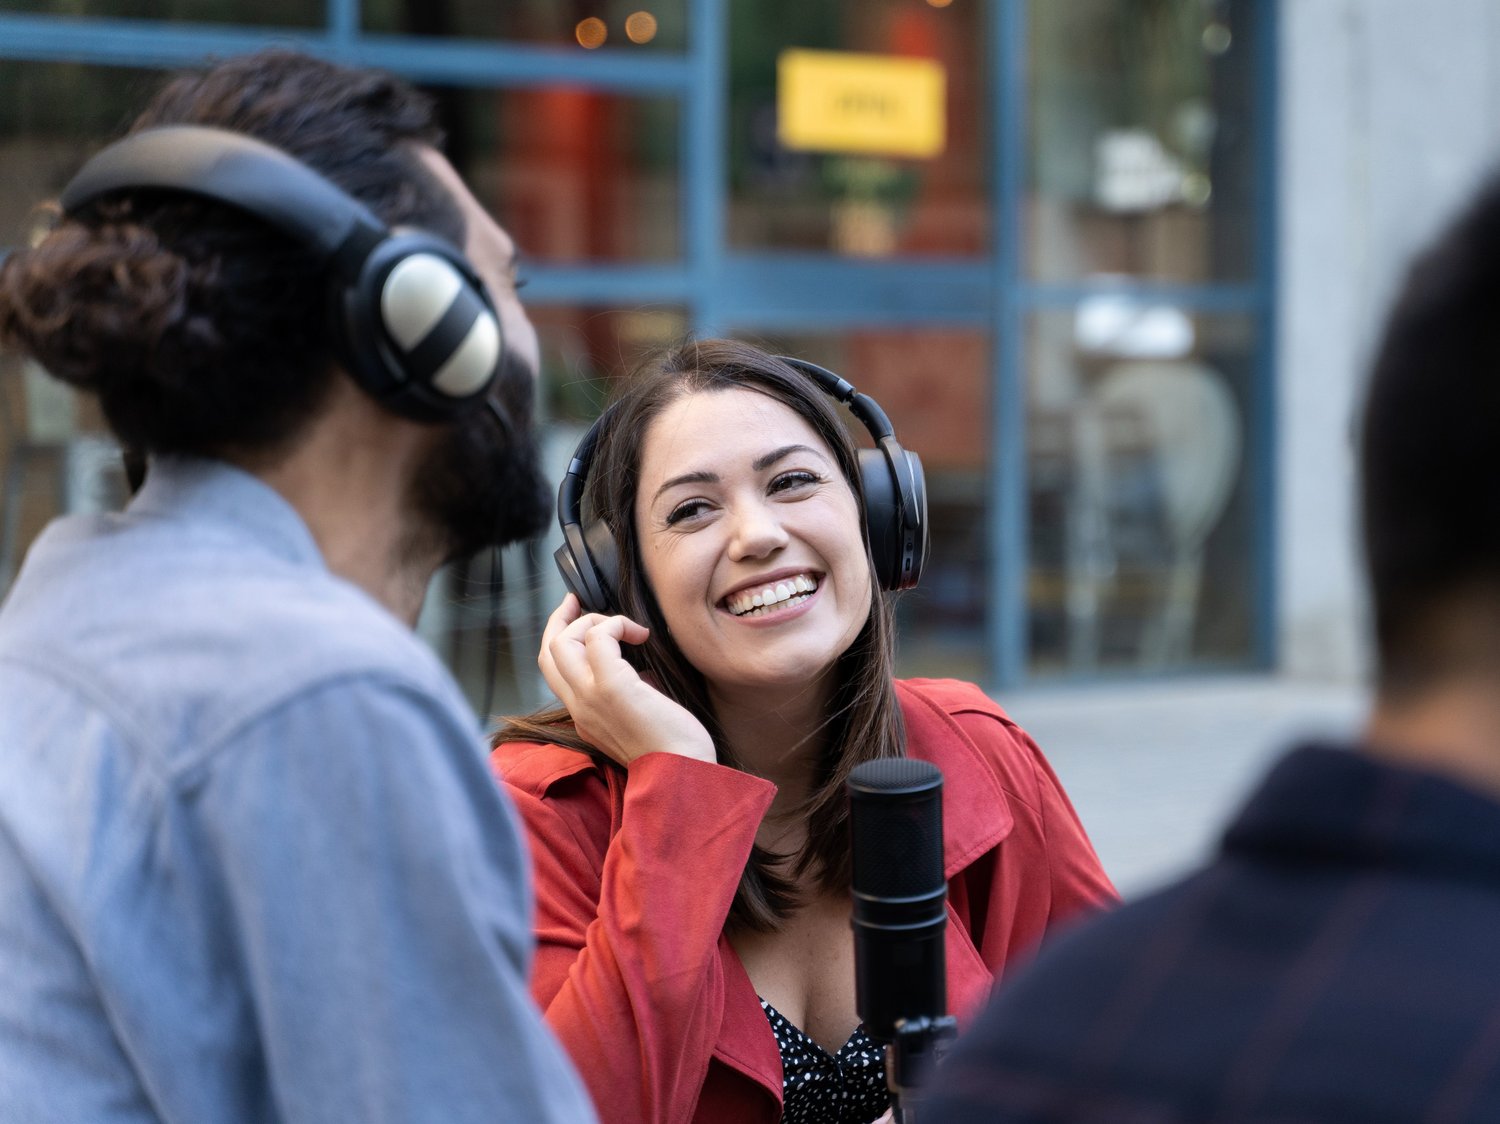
864, 720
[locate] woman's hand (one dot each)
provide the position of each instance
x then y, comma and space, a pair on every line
613, 708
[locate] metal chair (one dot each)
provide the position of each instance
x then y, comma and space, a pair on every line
1180, 418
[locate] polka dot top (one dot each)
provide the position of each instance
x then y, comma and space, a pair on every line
822, 1088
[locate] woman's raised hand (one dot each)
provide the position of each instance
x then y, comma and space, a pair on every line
613, 708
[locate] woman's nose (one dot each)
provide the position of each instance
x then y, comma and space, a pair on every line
757, 532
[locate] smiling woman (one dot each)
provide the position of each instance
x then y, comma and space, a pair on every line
686, 803
755, 554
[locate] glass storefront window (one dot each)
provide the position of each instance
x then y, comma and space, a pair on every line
52, 117
585, 349
1140, 516
934, 383
631, 25
1141, 139
1139, 166
857, 205
575, 175
272, 13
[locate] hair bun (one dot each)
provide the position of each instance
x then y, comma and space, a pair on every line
94, 304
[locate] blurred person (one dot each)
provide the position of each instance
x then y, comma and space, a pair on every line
253, 862
1336, 960
686, 802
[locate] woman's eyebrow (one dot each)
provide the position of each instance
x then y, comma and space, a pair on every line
760, 464
686, 478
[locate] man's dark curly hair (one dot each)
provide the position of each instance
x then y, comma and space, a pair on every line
200, 328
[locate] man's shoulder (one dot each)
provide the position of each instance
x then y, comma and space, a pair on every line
1093, 981
1107, 947
181, 646
1316, 970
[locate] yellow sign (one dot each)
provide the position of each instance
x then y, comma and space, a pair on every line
836, 101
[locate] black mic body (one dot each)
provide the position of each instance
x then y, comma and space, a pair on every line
900, 917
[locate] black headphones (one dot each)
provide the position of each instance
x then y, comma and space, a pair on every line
413, 324
891, 479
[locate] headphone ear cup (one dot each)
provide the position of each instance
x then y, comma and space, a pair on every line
443, 329
914, 550
895, 489
606, 558
417, 330
882, 516
589, 564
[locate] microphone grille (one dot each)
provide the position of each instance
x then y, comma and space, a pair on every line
896, 828
894, 775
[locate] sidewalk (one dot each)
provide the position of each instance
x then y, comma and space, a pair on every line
1155, 769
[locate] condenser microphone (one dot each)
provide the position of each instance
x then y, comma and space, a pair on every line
900, 917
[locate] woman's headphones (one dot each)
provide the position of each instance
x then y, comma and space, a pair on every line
891, 478
412, 322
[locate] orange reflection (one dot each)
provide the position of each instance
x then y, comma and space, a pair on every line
640, 27
591, 33
939, 3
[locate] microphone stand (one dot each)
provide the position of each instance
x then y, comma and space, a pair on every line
919, 1045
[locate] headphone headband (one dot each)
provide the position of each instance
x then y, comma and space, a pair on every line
413, 324
862, 406
891, 482
232, 168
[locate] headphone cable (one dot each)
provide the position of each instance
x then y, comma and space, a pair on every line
497, 584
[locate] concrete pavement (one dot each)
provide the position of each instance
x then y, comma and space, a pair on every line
1155, 769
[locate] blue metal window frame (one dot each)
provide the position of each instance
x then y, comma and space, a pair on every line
789, 291
1016, 296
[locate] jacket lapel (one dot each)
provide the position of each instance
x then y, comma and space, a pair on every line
746, 1043
976, 813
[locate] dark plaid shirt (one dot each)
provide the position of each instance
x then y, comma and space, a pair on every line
1338, 961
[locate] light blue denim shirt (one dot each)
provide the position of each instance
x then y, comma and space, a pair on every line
253, 865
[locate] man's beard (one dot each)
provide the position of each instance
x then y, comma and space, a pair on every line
482, 484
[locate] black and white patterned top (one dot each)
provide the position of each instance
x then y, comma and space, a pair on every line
822, 1088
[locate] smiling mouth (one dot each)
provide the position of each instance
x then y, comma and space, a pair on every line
777, 595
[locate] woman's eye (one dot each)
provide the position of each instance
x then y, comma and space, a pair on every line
788, 481
685, 511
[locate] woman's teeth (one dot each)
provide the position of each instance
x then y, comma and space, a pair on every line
756, 602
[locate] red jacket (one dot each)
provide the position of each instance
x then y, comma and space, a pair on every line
635, 874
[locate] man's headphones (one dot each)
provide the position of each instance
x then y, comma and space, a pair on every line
891, 479
412, 322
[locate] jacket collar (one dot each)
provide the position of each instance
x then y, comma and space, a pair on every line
1334, 804
227, 502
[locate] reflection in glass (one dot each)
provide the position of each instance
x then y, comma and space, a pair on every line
1140, 522
631, 25
856, 205
934, 385
52, 117
575, 175
585, 349
1141, 136
272, 13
